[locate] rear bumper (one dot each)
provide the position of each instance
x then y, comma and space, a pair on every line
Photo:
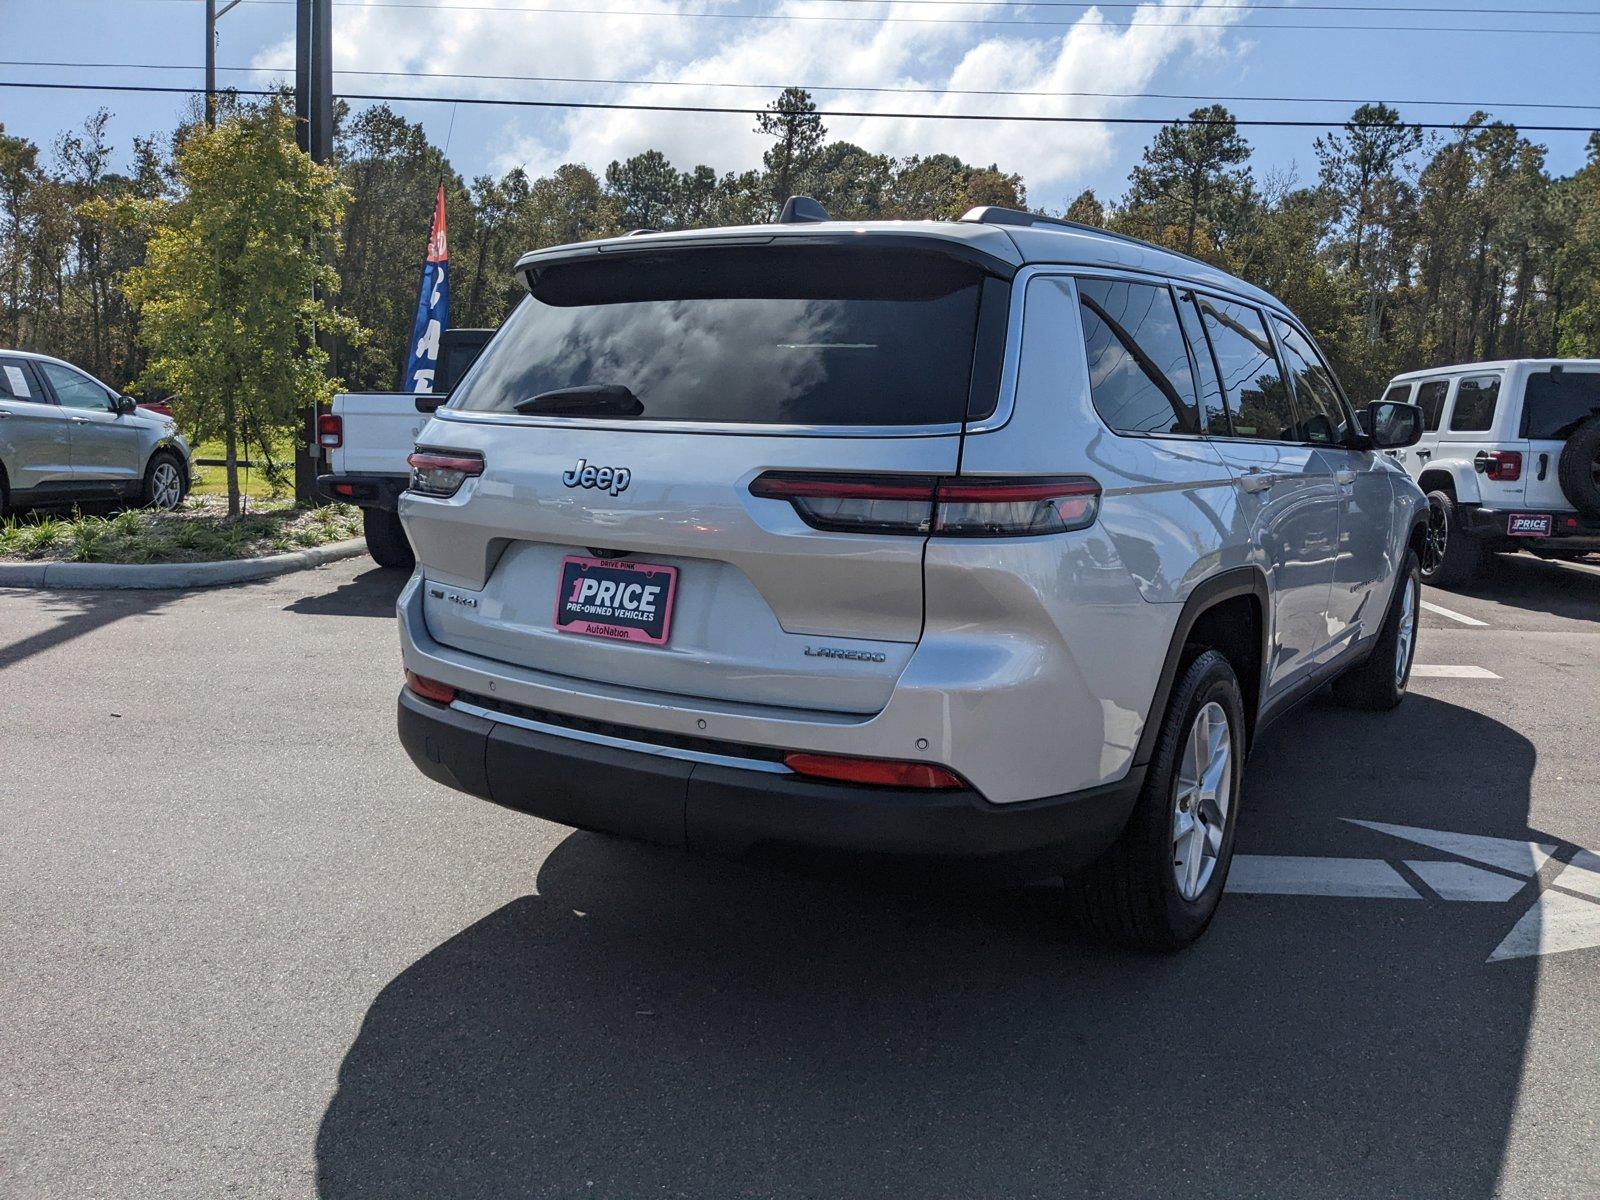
711, 806
1568, 528
365, 491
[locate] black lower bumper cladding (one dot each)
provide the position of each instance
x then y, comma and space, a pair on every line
706, 806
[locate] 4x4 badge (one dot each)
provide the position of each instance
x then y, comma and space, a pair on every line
612, 479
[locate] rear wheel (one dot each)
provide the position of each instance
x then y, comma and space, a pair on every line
386, 539
1380, 683
1158, 886
1452, 554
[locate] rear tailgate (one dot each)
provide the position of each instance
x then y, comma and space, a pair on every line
378, 430
1553, 407
743, 362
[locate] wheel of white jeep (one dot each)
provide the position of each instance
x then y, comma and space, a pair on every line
1451, 555
1159, 884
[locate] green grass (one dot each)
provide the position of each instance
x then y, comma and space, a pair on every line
200, 531
213, 481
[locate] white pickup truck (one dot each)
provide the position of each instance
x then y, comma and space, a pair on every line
366, 437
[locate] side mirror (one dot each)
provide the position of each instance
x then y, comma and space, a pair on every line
431, 402
1393, 425
125, 404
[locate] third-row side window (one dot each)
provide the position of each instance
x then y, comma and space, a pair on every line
1139, 374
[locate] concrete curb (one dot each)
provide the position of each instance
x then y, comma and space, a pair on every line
172, 575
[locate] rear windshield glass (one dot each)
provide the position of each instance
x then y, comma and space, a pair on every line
782, 335
1555, 405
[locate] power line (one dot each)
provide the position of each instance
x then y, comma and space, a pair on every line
1078, 4
881, 20
1483, 105
1026, 118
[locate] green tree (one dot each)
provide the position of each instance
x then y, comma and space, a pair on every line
227, 294
1192, 176
1087, 209
791, 119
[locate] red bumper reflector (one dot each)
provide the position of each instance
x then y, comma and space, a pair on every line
344, 489
430, 689
878, 771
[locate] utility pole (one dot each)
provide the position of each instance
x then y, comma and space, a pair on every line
212, 13
313, 120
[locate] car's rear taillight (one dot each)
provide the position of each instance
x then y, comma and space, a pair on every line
1502, 465
442, 472
430, 689
941, 506
330, 431
882, 772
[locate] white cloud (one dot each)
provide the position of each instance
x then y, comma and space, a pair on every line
1095, 54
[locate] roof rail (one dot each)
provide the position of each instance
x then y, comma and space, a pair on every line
801, 210
643, 229
993, 214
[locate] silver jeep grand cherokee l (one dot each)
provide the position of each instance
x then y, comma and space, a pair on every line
998, 538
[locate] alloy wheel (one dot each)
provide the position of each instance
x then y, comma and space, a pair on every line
1436, 539
1407, 632
166, 486
1200, 807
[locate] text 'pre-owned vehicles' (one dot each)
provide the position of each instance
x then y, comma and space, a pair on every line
1509, 459
67, 438
998, 538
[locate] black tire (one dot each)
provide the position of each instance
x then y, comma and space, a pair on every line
1464, 552
5, 492
1130, 895
1579, 469
1379, 683
164, 479
386, 539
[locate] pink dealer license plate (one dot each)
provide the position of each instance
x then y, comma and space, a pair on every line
612, 598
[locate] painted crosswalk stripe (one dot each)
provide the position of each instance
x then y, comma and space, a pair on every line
1442, 611
1288, 875
1446, 671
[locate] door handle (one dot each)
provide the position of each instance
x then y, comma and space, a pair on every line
1257, 480
5, 412
80, 420
1424, 454
1345, 476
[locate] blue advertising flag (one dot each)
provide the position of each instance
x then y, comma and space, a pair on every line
433, 308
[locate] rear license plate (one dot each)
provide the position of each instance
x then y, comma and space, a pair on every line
1528, 525
610, 598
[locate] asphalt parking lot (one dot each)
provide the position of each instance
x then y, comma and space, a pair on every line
249, 951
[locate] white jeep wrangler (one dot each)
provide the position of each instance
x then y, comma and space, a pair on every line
1510, 459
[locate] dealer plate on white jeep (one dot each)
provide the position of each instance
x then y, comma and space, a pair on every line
1528, 525
616, 599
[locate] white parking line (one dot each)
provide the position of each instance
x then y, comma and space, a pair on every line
1442, 611
1459, 881
1284, 875
1437, 671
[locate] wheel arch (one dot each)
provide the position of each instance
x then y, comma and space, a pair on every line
1460, 480
1229, 612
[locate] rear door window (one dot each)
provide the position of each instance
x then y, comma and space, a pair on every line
1139, 373
1257, 398
1476, 396
1323, 420
1553, 406
779, 335
17, 382
1430, 399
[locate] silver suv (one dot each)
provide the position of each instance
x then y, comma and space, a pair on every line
998, 538
65, 437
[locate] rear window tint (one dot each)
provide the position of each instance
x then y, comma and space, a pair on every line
1430, 399
783, 335
1553, 406
1475, 401
1139, 376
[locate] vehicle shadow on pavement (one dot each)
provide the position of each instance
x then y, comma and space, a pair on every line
79, 613
370, 594
1537, 585
650, 1023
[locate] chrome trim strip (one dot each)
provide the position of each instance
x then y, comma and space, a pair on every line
616, 743
702, 427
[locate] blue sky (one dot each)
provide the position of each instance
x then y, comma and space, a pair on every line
1200, 47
